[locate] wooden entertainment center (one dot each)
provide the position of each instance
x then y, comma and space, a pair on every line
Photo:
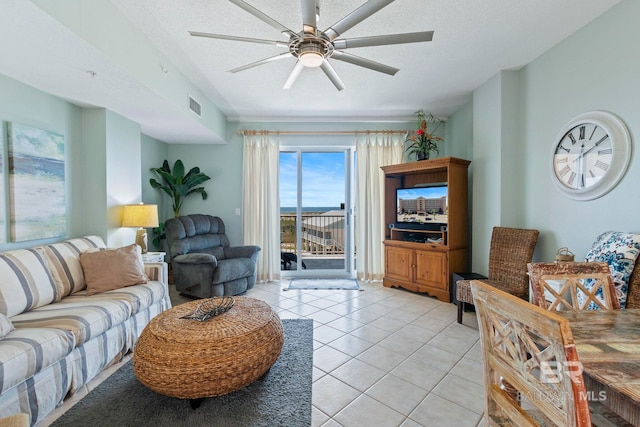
422, 260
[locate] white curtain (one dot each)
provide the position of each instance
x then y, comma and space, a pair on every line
373, 151
260, 202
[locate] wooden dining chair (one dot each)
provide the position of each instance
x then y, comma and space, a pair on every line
510, 251
572, 286
532, 373
531, 349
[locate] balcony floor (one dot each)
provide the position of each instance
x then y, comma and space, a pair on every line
319, 263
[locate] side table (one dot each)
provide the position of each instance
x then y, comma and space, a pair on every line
153, 257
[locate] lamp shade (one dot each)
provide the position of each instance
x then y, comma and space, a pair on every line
140, 216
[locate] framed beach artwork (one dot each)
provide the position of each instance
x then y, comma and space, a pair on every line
37, 202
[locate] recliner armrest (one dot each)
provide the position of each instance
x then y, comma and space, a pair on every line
196, 258
248, 251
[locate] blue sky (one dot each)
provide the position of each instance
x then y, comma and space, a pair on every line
322, 179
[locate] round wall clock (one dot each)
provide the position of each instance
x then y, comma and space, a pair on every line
590, 155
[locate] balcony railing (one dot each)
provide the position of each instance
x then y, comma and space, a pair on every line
321, 234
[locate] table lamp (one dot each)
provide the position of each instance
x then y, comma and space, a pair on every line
142, 216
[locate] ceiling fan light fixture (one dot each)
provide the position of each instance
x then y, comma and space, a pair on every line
311, 59
311, 56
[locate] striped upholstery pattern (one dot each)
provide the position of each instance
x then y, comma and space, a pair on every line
25, 352
138, 297
91, 358
40, 394
26, 281
62, 338
64, 262
5, 326
157, 271
85, 318
136, 323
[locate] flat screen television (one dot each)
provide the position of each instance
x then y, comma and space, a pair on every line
422, 205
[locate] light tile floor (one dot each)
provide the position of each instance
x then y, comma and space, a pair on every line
382, 357
386, 357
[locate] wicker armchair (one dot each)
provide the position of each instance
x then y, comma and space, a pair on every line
511, 249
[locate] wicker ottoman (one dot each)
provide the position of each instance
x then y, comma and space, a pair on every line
189, 359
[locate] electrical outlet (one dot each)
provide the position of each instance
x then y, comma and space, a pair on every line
237, 211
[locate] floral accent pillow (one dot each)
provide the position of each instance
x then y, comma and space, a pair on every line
620, 250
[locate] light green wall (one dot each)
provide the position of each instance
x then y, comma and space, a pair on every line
595, 69
516, 118
111, 165
154, 152
124, 179
102, 160
24, 104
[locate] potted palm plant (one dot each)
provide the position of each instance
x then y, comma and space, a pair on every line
421, 142
178, 186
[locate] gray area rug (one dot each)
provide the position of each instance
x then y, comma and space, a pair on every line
280, 398
346, 284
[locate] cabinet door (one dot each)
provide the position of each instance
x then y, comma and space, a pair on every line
431, 269
398, 263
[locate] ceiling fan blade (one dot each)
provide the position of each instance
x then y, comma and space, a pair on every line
424, 36
366, 63
355, 17
309, 22
239, 39
263, 17
293, 76
262, 61
333, 76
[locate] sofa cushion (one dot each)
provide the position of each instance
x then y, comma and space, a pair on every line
25, 352
5, 326
138, 297
108, 269
620, 250
85, 317
26, 282
64, 262
232, 269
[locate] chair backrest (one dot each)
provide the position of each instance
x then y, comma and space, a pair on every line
532, 350
633, 295
194, 233
511, 249
573, 286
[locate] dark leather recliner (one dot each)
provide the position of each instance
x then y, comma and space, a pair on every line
204, 263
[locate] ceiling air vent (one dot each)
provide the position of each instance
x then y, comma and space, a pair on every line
195, 107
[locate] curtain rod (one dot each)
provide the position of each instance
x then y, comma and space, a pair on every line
320, 132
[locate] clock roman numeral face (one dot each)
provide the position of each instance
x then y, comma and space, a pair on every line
583, 156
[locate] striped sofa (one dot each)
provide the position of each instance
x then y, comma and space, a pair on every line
55, 338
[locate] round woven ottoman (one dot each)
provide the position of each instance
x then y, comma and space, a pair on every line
188, 359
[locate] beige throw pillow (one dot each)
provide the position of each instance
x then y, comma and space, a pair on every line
108, 269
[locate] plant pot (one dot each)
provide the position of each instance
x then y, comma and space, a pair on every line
422, 156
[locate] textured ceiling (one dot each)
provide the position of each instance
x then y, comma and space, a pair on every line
473, 40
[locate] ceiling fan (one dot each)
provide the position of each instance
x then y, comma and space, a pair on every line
313, 48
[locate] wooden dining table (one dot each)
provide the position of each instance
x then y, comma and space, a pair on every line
608, 345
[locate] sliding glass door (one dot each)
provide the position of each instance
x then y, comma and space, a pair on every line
316, 218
